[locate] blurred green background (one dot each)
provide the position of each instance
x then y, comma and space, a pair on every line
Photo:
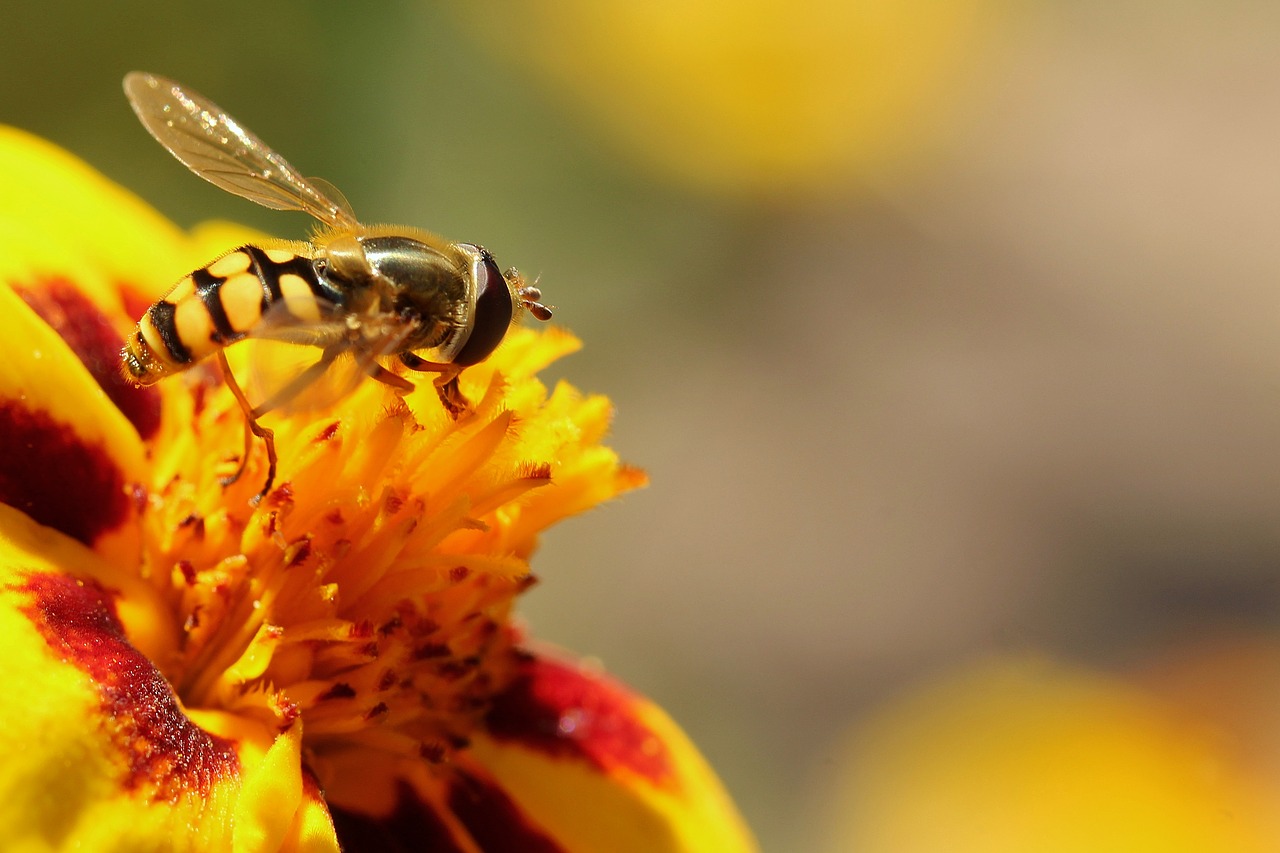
943, 328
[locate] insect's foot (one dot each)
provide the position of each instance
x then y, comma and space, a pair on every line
452, 398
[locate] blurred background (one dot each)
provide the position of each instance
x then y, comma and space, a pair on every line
946, 329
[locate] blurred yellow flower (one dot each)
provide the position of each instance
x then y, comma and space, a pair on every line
337, 666
755, 96
1027, 755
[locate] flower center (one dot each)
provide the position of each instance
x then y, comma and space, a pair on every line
370, 592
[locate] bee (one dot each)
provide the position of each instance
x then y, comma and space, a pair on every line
360, 294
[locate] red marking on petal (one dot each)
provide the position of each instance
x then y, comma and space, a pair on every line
156, 741
56, 478
97, 341
568, 713
411, 826
493, 819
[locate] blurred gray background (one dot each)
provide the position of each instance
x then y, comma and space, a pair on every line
990, 366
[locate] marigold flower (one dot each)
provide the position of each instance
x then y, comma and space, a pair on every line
1024, 753
338, 666
757, 96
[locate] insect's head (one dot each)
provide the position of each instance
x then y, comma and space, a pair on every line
493, 307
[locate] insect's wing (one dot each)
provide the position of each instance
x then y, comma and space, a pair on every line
294, 364
217, 148
284, 377
287, 365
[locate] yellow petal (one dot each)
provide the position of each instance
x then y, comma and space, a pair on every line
47, 191
603, 769
88, 257
312, 830
146, 775
97, 753
71, 457
277, 807
566, 760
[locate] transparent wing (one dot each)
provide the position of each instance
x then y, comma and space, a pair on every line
307, 366
217, 148
291, 379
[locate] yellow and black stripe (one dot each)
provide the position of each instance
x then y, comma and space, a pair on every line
220, 304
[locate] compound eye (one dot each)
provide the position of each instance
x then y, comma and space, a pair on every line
493, 313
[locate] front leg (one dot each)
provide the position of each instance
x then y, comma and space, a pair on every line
446, 382
451, 396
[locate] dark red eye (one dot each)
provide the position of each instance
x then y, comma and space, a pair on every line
494, 310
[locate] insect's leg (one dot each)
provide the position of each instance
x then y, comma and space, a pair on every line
417, 362
451, 396
252, 426
398, 383
244, 455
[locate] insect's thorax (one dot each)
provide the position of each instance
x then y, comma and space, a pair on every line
399, 278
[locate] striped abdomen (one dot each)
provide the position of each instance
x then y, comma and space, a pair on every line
221, 304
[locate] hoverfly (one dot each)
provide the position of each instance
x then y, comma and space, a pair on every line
357, 292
